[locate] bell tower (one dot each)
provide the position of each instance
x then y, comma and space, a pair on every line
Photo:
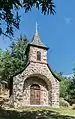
37, 51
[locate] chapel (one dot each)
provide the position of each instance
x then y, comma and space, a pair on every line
37, 84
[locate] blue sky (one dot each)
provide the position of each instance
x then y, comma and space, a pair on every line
57, 32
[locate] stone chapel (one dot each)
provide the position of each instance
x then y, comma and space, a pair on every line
37, 84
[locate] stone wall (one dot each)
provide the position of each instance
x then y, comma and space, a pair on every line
33, 54
41, 71
43, 90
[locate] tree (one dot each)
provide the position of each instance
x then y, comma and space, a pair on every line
18, 53
1, 62
9, 12
13, 61
64, 85
71, 91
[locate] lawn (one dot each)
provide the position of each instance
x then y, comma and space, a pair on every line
65, 111
37, 113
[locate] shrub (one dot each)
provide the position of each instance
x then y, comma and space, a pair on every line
64, 103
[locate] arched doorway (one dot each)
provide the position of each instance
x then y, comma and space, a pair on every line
35, 94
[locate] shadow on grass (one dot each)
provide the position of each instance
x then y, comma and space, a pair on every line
43, 114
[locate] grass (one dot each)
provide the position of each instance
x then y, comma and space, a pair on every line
65, 111
37, 113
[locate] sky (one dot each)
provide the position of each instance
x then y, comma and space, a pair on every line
57, 32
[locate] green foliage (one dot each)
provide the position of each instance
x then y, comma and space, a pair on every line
63, 103
64, 85
5, 65
18, 52
71, 91
9, 12
14, 61
67, 88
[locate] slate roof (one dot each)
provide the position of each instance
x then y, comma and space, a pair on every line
37, 42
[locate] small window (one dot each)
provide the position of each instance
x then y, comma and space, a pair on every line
38, 55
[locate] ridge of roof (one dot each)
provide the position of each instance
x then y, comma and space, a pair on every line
36, 41
56, 76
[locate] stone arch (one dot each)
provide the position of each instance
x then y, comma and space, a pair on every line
45, 88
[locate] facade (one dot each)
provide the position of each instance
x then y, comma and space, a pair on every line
36, 85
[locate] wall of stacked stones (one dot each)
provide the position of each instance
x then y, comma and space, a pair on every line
43, 90
33, 54
39, 70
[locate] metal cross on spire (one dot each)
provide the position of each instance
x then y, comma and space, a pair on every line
36, 26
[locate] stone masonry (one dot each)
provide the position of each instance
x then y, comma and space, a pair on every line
39, 73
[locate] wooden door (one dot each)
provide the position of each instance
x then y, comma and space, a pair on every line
35, 95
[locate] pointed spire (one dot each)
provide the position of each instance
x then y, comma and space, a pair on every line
36, 26
36, 39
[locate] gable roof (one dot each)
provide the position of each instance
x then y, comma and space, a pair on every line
19, 72
55, 75
37, 42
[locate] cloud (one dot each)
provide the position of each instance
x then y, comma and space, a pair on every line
68, 20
